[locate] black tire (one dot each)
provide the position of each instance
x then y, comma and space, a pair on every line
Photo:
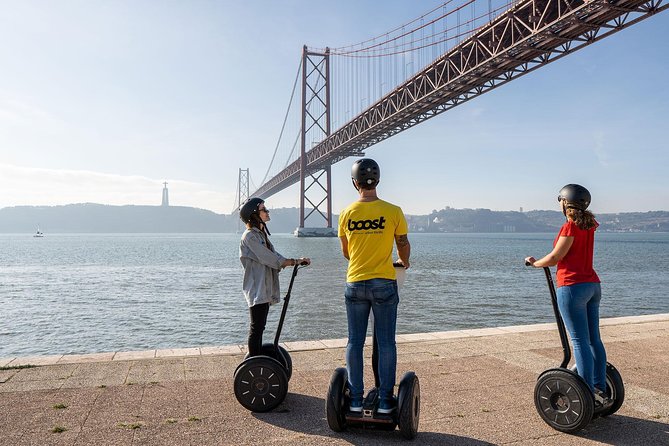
260, 383
563, 400
335, 401
615, 388
408, 405
282, 356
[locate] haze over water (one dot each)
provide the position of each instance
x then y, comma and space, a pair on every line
85, 293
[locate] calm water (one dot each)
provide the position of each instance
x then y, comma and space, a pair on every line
89, 293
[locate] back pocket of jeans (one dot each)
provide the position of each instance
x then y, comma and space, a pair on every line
385, 295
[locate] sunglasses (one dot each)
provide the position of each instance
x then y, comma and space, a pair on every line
265, 210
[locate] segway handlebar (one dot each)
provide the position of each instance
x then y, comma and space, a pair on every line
566, 351
292, 277
286, 300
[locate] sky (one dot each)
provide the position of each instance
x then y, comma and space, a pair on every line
103, 101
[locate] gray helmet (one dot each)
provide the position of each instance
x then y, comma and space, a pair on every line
366, 173
576, 196
249, 208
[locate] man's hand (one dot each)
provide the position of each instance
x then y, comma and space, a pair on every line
403, 249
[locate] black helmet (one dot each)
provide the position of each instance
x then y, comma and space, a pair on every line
249, 208
366, 173
576, 196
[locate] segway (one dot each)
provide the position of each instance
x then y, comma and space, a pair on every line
562, 398
261, 382
406, 414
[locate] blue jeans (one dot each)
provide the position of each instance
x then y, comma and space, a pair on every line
381, 297
579, 307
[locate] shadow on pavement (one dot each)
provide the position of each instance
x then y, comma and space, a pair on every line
306, 414
621, 430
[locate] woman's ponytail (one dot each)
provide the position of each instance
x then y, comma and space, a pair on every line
584, 219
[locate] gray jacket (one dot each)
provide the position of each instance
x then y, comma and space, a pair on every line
261, 269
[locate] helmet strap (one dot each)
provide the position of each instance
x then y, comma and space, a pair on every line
258, 223
255, 220
355, 185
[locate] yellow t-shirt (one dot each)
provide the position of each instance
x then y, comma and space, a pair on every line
370, 228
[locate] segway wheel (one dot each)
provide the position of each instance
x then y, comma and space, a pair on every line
260, 383
615, 389
282, 356
408, 405
335, 401
563, 400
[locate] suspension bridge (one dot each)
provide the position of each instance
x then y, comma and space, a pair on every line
356, 96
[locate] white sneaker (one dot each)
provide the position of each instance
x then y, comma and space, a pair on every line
601, 397
355, 406
386, 407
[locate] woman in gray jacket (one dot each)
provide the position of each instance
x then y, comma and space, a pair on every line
261, 265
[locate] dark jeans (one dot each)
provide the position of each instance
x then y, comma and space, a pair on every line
380, 297
258, 315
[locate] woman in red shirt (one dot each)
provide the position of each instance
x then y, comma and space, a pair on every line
579, 291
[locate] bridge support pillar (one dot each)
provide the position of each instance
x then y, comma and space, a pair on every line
315, 186
242, 193
319, 186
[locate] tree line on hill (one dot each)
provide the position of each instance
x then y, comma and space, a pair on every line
98, 218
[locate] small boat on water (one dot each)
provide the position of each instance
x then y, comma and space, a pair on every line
38, 233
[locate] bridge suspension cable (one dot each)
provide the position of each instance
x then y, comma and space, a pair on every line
424, 41
352, 48
365, 72
283, 126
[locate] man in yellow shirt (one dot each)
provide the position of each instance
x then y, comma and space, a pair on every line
367, 229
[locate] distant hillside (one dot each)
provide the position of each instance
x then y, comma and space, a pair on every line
485, 220
655, 221
479, 220
98, 218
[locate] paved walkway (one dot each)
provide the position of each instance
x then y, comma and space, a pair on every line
476, 389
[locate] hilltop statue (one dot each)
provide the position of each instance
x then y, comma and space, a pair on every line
166, 198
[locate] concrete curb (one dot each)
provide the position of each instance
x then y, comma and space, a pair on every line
295, 346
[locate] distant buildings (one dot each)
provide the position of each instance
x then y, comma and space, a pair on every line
166, 198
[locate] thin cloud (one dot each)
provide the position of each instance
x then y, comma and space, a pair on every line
600, 152
18, 113
49, 187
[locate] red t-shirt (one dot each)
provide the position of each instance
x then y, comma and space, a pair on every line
576, 266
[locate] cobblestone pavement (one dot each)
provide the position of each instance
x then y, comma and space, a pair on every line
476, 389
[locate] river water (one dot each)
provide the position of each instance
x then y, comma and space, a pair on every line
86, 293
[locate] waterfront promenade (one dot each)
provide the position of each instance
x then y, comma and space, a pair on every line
476, 389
